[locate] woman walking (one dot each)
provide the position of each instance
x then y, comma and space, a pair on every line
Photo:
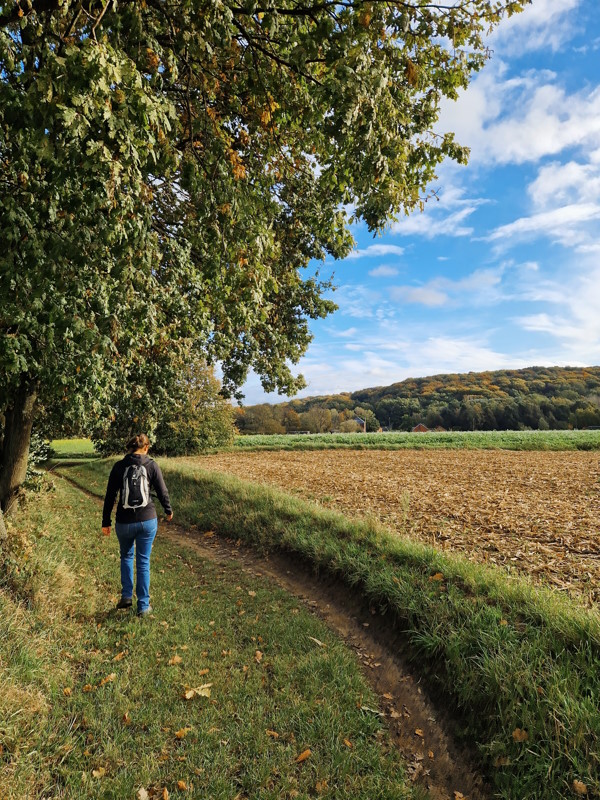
136, 523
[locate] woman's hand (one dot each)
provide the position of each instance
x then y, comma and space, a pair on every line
106, 531
169, 517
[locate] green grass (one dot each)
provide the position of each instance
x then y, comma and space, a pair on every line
506, 656
484, 440
91, 700
72, 448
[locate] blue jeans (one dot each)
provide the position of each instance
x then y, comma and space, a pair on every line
140, 534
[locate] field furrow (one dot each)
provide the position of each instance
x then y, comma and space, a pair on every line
535, 512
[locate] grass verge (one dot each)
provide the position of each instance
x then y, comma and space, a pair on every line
519, 664
92, 701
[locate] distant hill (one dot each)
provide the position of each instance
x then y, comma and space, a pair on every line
533, 398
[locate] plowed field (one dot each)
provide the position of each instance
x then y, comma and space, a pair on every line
536, 512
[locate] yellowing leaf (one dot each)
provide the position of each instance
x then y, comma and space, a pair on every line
303, 756
198, 691
579, 788
520, 735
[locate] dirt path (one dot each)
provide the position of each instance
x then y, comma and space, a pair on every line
420, 729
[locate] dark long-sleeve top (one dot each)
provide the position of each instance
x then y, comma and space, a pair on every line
115, 481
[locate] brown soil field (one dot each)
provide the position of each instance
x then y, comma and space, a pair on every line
531, 512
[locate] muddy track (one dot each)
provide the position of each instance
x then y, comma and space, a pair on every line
419, 727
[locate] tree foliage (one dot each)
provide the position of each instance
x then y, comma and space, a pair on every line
169, 168
539, 398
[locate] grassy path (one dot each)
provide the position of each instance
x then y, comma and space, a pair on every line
93, 702
517, 665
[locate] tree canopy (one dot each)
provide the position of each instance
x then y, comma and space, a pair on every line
170, 168
533, 398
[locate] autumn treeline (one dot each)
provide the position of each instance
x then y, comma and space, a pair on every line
536, 398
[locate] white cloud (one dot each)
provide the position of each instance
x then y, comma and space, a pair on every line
345, 334
565, 225
560, 184
377, 250
442, 217
482, 287
545, 24
384, 271
522, 119
425, 295
572, 320
360, 302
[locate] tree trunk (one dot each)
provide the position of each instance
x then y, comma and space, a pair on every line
3, 533
18, 421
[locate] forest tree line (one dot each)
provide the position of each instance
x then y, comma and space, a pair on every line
536, 398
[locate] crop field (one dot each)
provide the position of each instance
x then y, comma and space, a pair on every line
401, 440
536, 513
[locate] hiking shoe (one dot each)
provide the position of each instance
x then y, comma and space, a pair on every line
125, 602
145, 612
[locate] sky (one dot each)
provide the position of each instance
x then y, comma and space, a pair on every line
503, 270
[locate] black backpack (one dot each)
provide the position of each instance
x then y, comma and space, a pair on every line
135, 491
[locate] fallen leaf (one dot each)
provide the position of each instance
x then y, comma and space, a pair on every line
348, 743
502, 761
182, 785
252, 594
430, 754
579, 788
109, 679
520, 735
142, 794
419, 732
316, 641
439, 576
175, 660
126, 718
88, 688
303, 756
272, 734
67, 691
258, 656
503, 622
182, 733
198, 691
320, 786
99, 773
165, 794
459, 796
120, 656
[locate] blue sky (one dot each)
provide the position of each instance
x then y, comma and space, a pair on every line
503, 271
